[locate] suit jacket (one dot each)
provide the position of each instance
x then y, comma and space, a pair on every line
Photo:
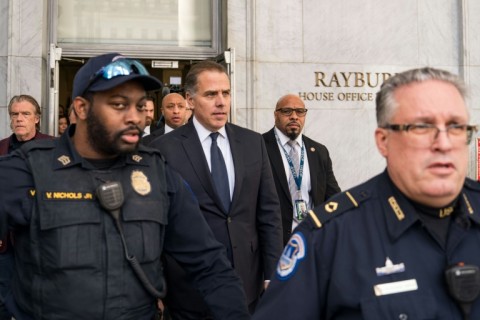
252, 228
323, 181
156, 130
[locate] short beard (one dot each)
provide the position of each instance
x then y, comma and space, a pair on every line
100, 138
293, 135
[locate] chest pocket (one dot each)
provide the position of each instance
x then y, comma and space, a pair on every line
70, 233
144, 224
402, 306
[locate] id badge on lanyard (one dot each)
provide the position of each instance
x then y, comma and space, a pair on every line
300, 207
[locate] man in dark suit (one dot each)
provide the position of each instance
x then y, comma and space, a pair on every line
244, 213
314, 181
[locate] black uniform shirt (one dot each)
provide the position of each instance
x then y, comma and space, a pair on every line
187, 236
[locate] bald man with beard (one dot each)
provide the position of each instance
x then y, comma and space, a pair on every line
316, 180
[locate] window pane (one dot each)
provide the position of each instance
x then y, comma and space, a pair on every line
175, 23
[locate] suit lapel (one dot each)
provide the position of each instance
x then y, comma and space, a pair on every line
238, 152
316, 174
194, 151
277, 162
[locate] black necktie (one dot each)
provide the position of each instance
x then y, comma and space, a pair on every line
219, 172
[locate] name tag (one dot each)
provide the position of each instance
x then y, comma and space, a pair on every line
384, 289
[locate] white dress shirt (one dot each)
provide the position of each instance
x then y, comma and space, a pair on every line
146, 131
168, 128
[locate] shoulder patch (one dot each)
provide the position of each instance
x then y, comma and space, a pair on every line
292, 254
337, 205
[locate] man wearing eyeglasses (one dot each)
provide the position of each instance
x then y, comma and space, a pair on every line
93, 211
302, 168
405, 244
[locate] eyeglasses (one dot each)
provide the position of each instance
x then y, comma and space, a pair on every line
120, 67
301, 112
426, 133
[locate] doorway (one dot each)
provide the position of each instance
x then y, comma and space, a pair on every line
171, 77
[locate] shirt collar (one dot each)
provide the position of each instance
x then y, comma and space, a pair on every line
204, 133
168, 128
401, 214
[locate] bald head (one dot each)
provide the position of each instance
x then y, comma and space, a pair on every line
174, 110
287, 121
289, 99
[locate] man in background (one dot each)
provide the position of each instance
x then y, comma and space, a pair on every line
174, 112
302, 168
149, 114
25, 113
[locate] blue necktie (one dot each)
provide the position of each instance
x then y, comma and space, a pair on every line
219, 172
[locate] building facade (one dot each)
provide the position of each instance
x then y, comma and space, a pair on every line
334, 54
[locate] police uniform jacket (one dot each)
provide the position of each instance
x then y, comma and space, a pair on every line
366, 255
70, 263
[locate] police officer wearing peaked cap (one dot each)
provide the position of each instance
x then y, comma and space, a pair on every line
403, 245
93, 211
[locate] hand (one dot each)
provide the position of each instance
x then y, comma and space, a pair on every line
160, 309
265, 284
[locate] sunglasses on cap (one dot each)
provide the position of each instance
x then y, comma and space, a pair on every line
120, 67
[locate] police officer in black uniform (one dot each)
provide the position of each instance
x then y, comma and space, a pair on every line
405, 244
93, 211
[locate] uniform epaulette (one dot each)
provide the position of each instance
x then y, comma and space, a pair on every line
147, 149
337, 205
150, 150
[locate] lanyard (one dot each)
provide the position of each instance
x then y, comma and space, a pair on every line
297, 178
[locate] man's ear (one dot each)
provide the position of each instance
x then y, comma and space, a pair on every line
381, 139
81, 106
189, 101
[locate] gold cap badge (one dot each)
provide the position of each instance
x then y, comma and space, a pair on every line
136, 158
64, 160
